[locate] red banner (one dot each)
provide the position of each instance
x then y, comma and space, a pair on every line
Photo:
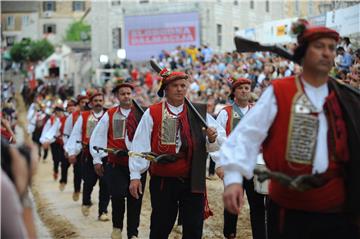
138, 37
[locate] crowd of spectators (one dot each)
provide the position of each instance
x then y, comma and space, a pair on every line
211, 73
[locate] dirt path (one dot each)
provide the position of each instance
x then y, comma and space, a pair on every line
74, 225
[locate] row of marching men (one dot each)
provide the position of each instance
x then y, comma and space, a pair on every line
97, 143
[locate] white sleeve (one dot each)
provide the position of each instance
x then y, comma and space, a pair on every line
72, 146
99, 138
49, 131
141, 143
67, 129
221, 134
31, 112
32, 125
222, 118
239, 152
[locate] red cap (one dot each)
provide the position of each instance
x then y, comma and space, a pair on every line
93, 93
71, 102
307, 33
81, 97
168, 77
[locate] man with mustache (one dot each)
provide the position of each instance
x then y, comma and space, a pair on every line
81, 105
306, 126
171, 127
79, 141
228, 118
116, 130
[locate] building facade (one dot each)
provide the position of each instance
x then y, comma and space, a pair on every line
219, 20
40, 19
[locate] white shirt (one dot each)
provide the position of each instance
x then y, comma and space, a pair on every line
239, 152
67, 129
73, 147
50, 132
142, 140
99, 137
32, 121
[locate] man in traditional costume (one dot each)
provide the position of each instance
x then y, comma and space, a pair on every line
79, 141
228, 118
308, 128
115, 131
52, 135
172, 130
81, 102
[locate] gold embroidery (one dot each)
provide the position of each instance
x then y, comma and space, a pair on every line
303, 129
92, 121
169, 125
118, 126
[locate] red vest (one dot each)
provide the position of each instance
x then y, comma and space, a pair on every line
325, 198
87, 129
229, 122
181, 167
75, 116
120, 142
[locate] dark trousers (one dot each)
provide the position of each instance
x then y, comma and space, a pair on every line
294, 224
90, 178
39, 151
166, 196
77, 174
211, 166
257, 214
58, 156
118, 181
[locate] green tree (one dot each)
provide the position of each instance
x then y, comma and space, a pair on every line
78, 31
32, 51
40, 50
19, 52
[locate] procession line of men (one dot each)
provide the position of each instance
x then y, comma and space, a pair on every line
180, 136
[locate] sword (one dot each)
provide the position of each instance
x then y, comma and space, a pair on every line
150, 156
157, 68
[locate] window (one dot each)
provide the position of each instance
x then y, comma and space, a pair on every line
78, 6
219, 34
10, 22
144, 1
310, 8
236, 2
10, 40
267, 6
252, 4
116, 38
236, 29
115, 3
49, 28
297, 7
25, 21
49, 6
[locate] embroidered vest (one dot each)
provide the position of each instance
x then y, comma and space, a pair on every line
291, 151
117, 133
164, 139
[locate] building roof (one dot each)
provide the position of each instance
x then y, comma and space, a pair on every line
19, 6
